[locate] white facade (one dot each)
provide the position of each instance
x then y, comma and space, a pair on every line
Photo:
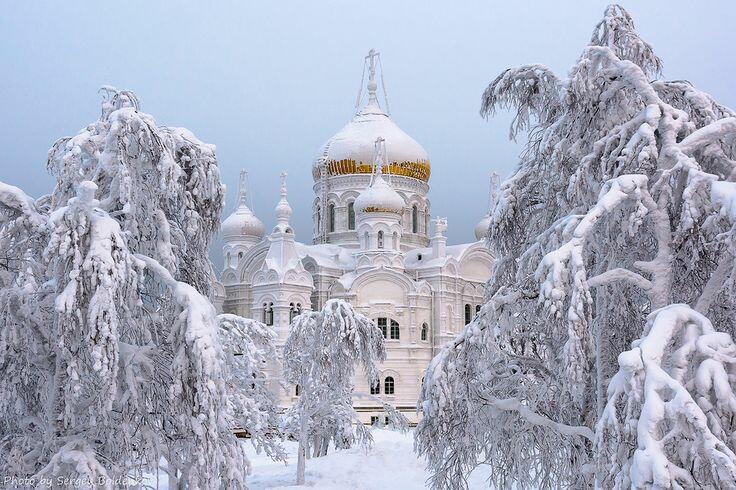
370, 246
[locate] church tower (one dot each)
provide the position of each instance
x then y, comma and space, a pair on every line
344, 167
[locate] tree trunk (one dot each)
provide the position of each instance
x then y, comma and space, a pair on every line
301, 460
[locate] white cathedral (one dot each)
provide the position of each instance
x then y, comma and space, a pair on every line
371, 246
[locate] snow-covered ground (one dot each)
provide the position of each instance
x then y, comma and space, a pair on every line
389, 464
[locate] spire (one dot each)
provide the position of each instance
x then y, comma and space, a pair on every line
495, 184
372, 85
243, 188
372, 60
379, 148
283, 209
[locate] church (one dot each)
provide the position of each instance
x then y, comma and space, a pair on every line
374, 244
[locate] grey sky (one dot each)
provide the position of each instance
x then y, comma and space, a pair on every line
269, 82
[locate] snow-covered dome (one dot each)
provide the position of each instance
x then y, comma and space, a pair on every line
481, 229
242, 223
350, 151
379, 197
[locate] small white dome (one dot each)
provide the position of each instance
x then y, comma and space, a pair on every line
481, 229
242, 223
380, 197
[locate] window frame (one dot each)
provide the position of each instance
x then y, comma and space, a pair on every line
389, 385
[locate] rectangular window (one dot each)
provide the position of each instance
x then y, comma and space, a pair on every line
374, 420
382, 324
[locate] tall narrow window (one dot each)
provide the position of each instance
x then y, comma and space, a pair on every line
382, 324
388, 385
425, 327
331, 217
395, 243
268, 313
414, 219
314, 300
351, 216
294, 311
376, 388
319, 221
366, 241
380, 239
395, 332
477, 309
468, 313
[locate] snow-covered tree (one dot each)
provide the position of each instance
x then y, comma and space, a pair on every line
110, 361
320, 356
621, 206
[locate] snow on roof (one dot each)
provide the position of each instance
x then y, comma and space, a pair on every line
379, 197
327, 255
428, 260
355, 141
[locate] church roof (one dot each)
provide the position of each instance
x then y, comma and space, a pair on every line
412, 260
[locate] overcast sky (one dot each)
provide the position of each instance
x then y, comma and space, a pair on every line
269, 82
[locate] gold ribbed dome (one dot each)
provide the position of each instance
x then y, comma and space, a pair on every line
350, 151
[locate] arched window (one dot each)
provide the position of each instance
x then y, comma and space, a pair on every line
268, 313
366, 241
426, 220
351, 216
376, 388
314, 300
228, 259
388, 385
240, 255
319, 220
395, 244
468, 313
297, 391
395, 332
414, 219
331, 217
380, 239
383, 324
425, 327
477, 309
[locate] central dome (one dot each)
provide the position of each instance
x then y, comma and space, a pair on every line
350, 151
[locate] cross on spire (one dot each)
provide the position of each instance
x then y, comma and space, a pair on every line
372, 58
243, 188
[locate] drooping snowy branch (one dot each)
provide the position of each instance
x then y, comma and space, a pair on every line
673, 400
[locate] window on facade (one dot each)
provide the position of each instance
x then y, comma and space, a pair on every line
468, 313
414, 219
376, 388
395, 244
319, 220
294, 311
297, 391
366, 241
477, 309
374, 419
228, 259
331, 217
388, 385
395, 330
426, 220
315, 301
240, 255
382, 324
351, 216
268, 313
424, 331
380, 239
